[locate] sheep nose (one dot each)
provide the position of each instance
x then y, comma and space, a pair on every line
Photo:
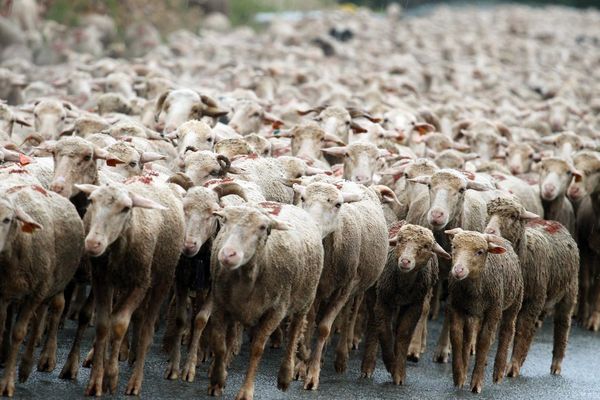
235, 127
405, 262
549, 187
92, 245
515, 170
490, 230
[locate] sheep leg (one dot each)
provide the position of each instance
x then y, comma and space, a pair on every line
4, 322
286, 370
71, 367
584, 287
218, 343
103, 293
181, 317
562, 326
341, 351
489, 326
436, 300
120, 320
407, 322
507, 333
171, 330
277, 337
360, 325
234, 340
189, 370
47, 361
334, 307
135, 326
417, 343
78, 301
305, 342
457, 327
524, 333
7, 384
153, 302
379, 324
42, 316
442, 351
265, 328
353, 331
27, 358
593, 322
125, 346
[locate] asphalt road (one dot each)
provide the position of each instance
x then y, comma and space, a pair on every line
425, 380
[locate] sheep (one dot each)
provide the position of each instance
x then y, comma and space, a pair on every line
182, 105
8, 119
308, 139
49, 117
360, 160
40, 246
259, 144
403, 292
485, 137
555, 176
520, 157
549, 263
248, 117
135, 249
201, 224
133, 161
486, 291
75, 162
193, 135
256, 283
589, 294
354, 232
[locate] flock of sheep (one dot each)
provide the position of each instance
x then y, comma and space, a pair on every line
346, 172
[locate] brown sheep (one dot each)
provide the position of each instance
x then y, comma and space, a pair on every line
549, 262
41, 243
486, 290
134, 249
403, 293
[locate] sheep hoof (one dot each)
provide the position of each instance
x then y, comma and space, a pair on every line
476, 388
413, 356
442, 356
300, 371
555, 368
513, 370
172, 372
47, 363
189, 372
7, 387
215, 390
593, 322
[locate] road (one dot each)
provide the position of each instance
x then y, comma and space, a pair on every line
425, 380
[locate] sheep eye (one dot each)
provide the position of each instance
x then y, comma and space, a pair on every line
209, 140
87, 157
479, 252
255, 115
347, 122
318, 119
125, 209
6, 220
62, 118
263, 227
302, 198
569, 173
132, 164
214, 172
429, 185
461, 190
338, 205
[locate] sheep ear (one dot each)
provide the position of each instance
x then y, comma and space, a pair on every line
143, 202
149, 156
423, 180
159, 104
22, 122
28, 225
356, 128
577, 175
335, 151
87, 188
280, 225
423, 128
525, 215
351, 197
473, 185
495, 249
101, 154
316, 171
330, 137
437, 249
454, 231
460, 146
393, 241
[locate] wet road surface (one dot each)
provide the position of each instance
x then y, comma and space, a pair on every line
580, 377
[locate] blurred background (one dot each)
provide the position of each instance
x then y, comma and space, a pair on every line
170, 15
